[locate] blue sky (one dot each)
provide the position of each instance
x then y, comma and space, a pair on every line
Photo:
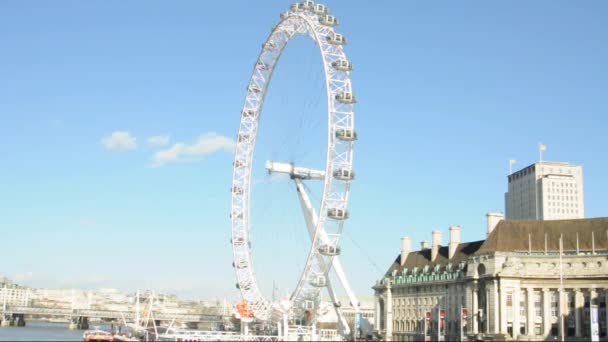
448, 92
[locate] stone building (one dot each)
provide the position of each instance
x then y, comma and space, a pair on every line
12, 294
509, 284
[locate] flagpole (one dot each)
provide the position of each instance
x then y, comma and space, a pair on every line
561, 286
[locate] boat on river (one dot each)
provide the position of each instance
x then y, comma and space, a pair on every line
97, 335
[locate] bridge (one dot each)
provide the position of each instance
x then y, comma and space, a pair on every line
79, 317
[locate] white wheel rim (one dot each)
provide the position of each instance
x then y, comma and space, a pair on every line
339, 156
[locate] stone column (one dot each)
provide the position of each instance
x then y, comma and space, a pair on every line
377, 312
578, 306
503, 308
474, 312
606, 295
496, 311
516, 309
546, 312
593, 300
389, 312
592, 297
531, 314
561, 321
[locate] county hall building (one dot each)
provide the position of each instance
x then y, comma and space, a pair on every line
506, 287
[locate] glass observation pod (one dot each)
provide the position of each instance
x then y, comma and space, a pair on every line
238, 241
254, 88
336, 39
245, 286
297, 7
318, 281
342, 65
285, 15
269, 46
337, 304
240, 264
337, 213
328, 20
261, 66
243, 137
344, 174
346, 134
249, 113
320, 9
237, 190
239, 163
308, 4
346, 97
236, 215
309, 304
329, 250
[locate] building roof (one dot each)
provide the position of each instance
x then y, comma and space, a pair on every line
517, 235
423, 257
512, 236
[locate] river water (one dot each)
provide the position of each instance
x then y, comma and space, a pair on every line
41, 331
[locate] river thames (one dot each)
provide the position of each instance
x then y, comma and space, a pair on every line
41, 331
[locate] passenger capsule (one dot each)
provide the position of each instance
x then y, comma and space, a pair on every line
328, 20
320, 9
346, 134
309, 305
269, 46
329, 250
238, 241
308, 4
344, 174
239, 163
337, 304
262, 66
285, 15
246, 286
336, 39
244, 137
255, 89
249, 113
240, 264
237, 190
337, 213
236, 215
346, 97
297, 7
342, 65
318, 281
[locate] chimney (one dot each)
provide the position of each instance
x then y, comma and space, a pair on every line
406, 247
435, 243
454, 240
492, 221
424, 245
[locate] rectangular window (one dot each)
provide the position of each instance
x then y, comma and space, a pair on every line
509, 306
554, 304
538, 304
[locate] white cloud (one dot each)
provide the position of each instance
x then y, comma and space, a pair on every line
204, 145
158, 140
119, 140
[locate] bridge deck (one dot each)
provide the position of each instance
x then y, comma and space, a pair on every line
113, 314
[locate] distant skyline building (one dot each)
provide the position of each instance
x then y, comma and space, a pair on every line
545, 191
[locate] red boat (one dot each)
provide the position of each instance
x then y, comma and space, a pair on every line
97, 336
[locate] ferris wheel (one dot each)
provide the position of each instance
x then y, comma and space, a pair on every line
325, 222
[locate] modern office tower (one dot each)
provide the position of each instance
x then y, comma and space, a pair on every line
545, 191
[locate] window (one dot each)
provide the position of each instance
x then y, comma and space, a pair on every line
538, 304
510, 306
554, 304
